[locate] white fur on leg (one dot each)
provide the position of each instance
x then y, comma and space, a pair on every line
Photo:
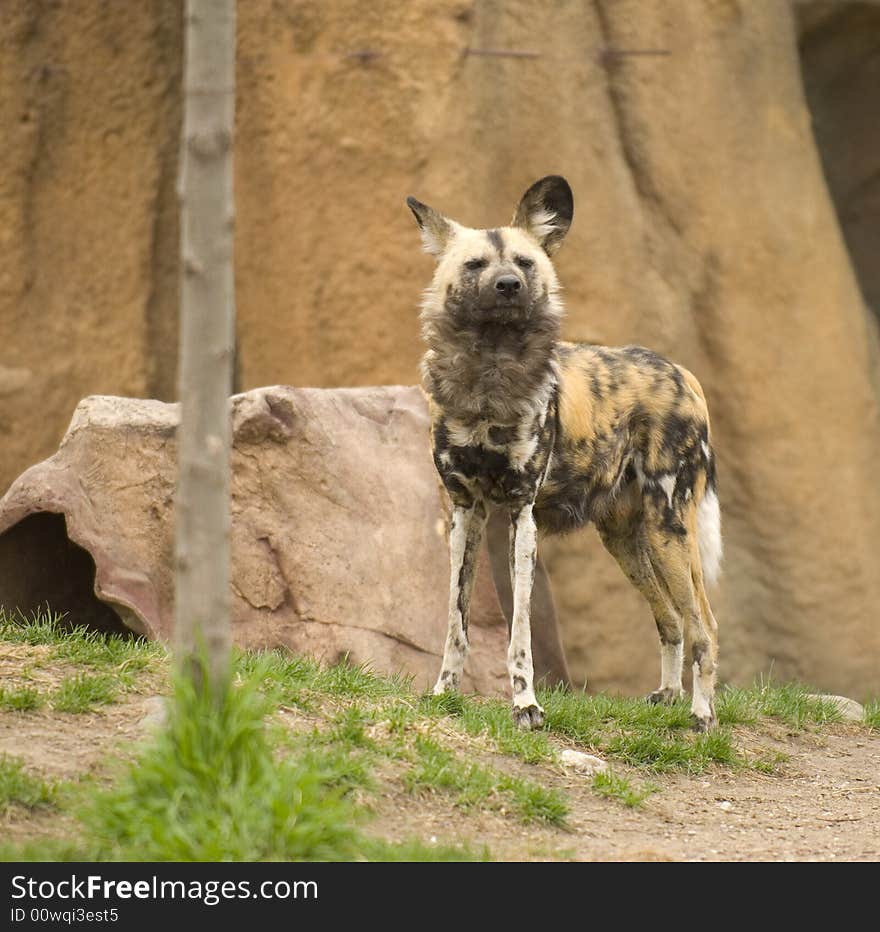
701, 706
456, 640
671, 663
453, 661
519, 654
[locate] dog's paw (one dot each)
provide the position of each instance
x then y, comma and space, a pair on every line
447, 682
528, 717
665, 696
703, 716
703, 724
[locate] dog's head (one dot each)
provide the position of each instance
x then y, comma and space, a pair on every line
503, 275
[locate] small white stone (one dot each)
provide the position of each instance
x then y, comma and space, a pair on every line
850, 710
582, 763
155, 714
726, 805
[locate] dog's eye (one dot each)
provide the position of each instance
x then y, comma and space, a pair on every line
474, 264
523, 262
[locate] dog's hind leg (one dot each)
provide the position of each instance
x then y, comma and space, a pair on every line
672, 547
628, 547
523, 556
465, 534
705, 670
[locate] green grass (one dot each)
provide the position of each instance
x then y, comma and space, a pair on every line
20, 699
790, 703
494, 720
588, 719
345, 679
45, 849
434, 767
230, 781
415, 850
348, 727
219, 784
292, 680
535, 803
661, 751
125, 656
106, 663
17, 786
872, 714
736, 706
210, 788
175, 803
614, 786
474, 786
82, 692
659, 737
656, 737
121, 656
43, 626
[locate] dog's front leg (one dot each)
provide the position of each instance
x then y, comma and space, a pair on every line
523, 556
465, 533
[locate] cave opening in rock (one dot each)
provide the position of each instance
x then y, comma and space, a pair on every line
41, 566
839, 46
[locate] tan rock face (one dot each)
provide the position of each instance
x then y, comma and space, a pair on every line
703, 228
840, 55
338, 538
86, 182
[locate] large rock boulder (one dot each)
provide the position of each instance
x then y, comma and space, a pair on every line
338, 536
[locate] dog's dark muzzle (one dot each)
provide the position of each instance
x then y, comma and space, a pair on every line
504, 298
507, 287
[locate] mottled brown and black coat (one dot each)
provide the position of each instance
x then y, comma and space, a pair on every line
561, 434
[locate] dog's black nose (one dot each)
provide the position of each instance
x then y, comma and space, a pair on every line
507, 285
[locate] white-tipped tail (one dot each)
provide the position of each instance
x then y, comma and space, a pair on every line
709, 536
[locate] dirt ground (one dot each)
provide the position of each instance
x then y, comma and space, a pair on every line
823, 804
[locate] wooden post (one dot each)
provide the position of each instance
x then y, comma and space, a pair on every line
207, 328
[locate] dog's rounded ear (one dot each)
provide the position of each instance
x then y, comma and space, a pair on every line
436, 229
545, 211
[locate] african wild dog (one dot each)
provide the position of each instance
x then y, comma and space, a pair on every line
560, 434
